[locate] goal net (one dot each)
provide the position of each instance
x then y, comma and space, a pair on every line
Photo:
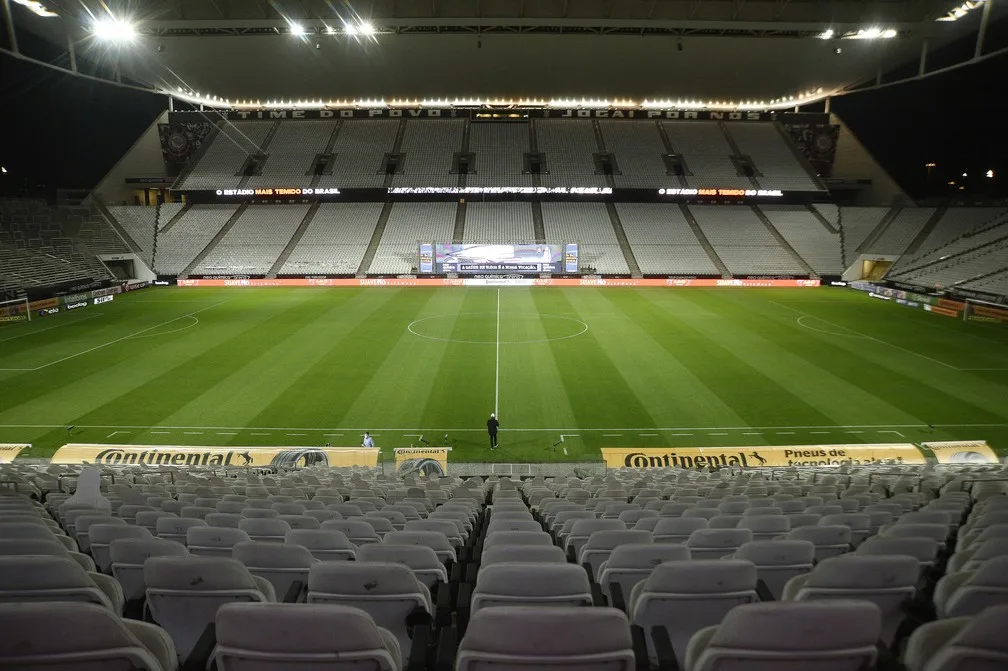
15, 310
982, 311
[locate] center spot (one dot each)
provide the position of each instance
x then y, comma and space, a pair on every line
480, 328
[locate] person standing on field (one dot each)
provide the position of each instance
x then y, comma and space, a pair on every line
368, 440
492, 426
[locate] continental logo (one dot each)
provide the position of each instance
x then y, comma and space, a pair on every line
692, 461
437, 451
695, 458
121, 457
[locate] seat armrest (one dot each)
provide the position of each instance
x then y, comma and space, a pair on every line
294, 592
200, 657
616, 597
423, 640
598, 597
641, 660
663, 649
463, 608
763, 592
447, 649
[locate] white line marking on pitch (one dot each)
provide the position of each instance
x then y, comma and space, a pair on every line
853, 431
896, 432
259, 434
648, 434
193, 433
50, 328
227, 433
785, 433
868, 337
115, 432
497, 363
819, 432
753, 433
611, 435
113, 342
162, 432
832, 427
717, 434
296, 434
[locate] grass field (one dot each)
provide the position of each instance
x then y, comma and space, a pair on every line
609, 367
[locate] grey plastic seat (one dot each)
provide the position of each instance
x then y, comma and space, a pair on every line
128, 556
184, 593
972, 557
432, 539
498, 524
677, 529
531, 584
834, 636
601, 543
969, 592
536, 554
260, 514
387, 591
229, 520
717, 543
34, 578
765, 527
281, 565
323, 544
829, 541
631, 563
859, 523
395, 518
510, 637
686, 596
214, 541
960, 644
276, 637
176, 528
265, 530
446, 527
358, 531
149, 519
83, 524
924, 550
422, 560
517, 538
43, 546
90, 638
938, 532
886, 581
102, 536
778, 561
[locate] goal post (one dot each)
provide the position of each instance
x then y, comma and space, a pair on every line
14, 310
984, 311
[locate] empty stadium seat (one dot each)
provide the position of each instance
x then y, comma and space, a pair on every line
974, 643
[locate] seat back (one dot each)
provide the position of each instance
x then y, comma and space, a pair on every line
961, 644
983, 587
323, 544
103, 534
631, 563
184, 593
531, 584
39, 578
281, 565
128, 556
717, 543
778, 561
677, 529
601, 543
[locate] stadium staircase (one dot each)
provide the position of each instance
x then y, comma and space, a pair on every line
537, 220
174, 220
216, 239
879, 230
611, 183
460, 217
670, 150
941, 258
396, 149
463, 179
194, 161
295, 239
736, 153
929, 226
262, 150
783, 242
624, 244
376, 237
822, 220
536, 181
704, 242
114, 224
328, 149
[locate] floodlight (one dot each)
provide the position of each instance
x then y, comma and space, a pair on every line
330, 30
349, 29
990, 174
826, 34
113, 30
296, 29
36, 8
888, 33
366, 28
871, 33
964, 174
4, 171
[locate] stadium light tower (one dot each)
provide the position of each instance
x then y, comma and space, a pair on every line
296, 29
114, 30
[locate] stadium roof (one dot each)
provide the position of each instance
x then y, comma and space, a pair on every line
424, 49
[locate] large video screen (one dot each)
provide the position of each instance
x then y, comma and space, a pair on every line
468, 259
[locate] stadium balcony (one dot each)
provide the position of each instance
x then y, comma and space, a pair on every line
490, 563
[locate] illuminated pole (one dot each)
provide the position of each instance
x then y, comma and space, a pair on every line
923, 58
980, 34
9, 21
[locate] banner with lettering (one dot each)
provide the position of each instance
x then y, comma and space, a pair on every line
695, 458
423, 461
10, 451
214, 457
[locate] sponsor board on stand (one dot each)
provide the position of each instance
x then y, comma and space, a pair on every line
762, 455
10, 451
504, 281
423, 461
214, 457
103, 299
962, 452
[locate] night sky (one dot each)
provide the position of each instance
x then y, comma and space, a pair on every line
65, 131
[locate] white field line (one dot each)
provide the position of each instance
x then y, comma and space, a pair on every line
50, 328
862, 335
401, 430
113, 342
497, 362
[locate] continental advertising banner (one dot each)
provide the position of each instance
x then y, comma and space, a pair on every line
10, 451
762, 456
963, 452
503, 281
214, 457
423, 461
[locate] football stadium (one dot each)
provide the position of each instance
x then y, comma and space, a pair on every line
409, 335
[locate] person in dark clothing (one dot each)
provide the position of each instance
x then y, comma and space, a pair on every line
492, 426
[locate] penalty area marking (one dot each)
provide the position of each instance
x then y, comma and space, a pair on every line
57, 326
113, 342
195, 321
413, 326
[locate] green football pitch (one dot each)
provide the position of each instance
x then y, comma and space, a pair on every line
618, 367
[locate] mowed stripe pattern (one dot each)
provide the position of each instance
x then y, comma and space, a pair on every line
237, 366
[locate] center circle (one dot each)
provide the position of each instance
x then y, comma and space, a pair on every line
514, 328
